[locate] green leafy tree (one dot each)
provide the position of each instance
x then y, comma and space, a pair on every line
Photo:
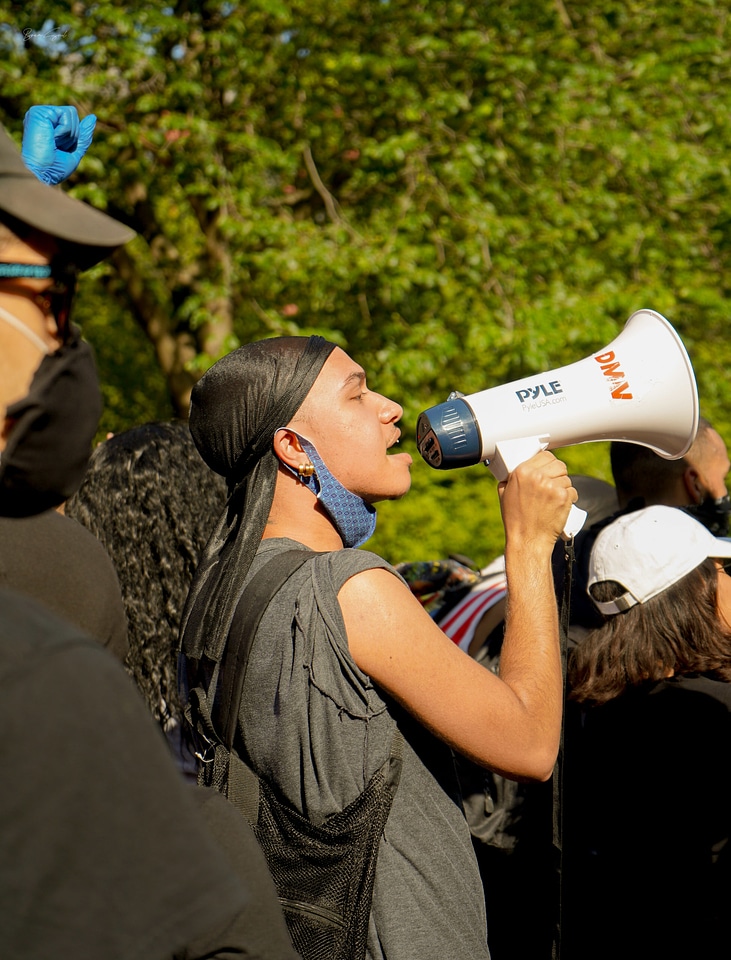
458, 194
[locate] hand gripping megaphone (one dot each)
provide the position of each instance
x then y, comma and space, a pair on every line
640, 388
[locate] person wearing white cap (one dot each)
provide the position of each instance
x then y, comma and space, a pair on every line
633, 561
647, 804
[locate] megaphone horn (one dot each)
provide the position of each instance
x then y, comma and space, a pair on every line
640, 388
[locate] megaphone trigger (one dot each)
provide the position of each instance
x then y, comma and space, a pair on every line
574, 522
510, 453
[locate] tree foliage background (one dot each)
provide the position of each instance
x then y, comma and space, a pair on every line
458, 194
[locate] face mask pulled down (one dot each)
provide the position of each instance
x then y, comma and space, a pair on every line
354, 519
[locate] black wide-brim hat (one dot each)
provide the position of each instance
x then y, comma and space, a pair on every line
91, 234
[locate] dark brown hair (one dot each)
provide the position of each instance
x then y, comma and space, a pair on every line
679, 631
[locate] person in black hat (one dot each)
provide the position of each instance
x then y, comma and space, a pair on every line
47, 372
106, 851
43, 554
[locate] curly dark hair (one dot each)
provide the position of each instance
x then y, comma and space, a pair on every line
679, 631
152, 502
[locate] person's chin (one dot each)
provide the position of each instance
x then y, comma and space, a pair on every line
396, 492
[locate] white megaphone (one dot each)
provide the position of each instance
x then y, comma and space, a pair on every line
640, 388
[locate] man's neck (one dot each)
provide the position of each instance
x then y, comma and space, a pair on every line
298, 515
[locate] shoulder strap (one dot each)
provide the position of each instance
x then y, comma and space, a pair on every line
557, 784
257, 596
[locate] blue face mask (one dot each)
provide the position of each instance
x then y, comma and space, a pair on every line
354, 518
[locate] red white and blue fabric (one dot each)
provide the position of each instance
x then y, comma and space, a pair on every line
460, 623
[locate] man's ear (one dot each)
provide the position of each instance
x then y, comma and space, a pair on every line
288, 449
5, 427
693, 485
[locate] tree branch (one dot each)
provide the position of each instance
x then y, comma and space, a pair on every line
331, 204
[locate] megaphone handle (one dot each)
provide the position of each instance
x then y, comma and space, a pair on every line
510, 453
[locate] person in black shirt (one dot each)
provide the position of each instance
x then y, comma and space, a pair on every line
647, 803
107, 852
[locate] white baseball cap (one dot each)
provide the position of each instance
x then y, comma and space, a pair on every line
648, 551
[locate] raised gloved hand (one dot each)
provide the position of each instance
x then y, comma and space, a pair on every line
54, 141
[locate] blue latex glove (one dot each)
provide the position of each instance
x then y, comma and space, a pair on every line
54, 141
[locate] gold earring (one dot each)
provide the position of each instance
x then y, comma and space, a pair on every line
305, 470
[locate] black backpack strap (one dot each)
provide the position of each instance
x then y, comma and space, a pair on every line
257, 596
215, 723
557, 780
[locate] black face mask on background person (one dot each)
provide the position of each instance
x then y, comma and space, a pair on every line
52, 431
714, 513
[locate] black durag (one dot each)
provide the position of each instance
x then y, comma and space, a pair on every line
235, 409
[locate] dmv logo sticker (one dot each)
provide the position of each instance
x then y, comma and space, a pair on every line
617, 380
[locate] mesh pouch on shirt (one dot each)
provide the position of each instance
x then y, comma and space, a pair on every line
324, 874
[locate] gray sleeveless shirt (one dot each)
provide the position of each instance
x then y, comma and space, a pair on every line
316, 726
